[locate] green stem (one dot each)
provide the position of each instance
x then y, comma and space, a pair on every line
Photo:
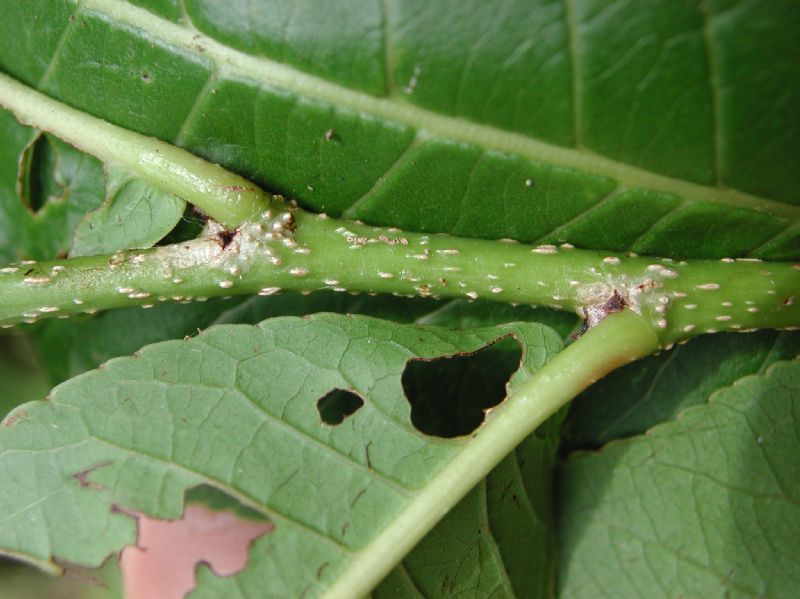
294, 250
618, 340
224, 196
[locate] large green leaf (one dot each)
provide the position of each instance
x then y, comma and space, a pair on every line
236, 408
653, 128
706, 506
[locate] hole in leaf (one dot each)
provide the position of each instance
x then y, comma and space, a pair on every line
189, 227
215, 529
449, 395
338, 405
218, 501
37, 174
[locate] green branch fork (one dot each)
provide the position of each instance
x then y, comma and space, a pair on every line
257, 243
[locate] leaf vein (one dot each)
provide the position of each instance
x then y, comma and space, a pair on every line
79, 6
300, 434
399, 162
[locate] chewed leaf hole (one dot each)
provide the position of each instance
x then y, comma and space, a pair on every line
338, 405
217, 501
36, 166
449, 395
215, 529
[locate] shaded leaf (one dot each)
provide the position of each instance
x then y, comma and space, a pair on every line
46, 186
656, 389
21, 379
706, 506
449, 396
51, 201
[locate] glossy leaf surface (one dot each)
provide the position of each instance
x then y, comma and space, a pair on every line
615, 127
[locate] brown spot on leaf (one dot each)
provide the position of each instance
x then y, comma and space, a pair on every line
83, 476
14, 417
366, 453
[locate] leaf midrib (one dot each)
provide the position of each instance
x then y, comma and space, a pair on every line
234, 64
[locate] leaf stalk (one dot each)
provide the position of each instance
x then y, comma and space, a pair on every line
621, 338
223, 195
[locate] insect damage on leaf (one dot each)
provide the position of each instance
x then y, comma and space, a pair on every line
83, 476
214, 530
451, 395
337, 405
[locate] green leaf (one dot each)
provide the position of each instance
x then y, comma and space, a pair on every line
236, 408
656, 389
134, 215
51, 201
616, 127
706, 506
664, 129
46, 186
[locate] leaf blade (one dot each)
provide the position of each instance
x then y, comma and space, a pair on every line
704, 505
158, 418
133, 215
